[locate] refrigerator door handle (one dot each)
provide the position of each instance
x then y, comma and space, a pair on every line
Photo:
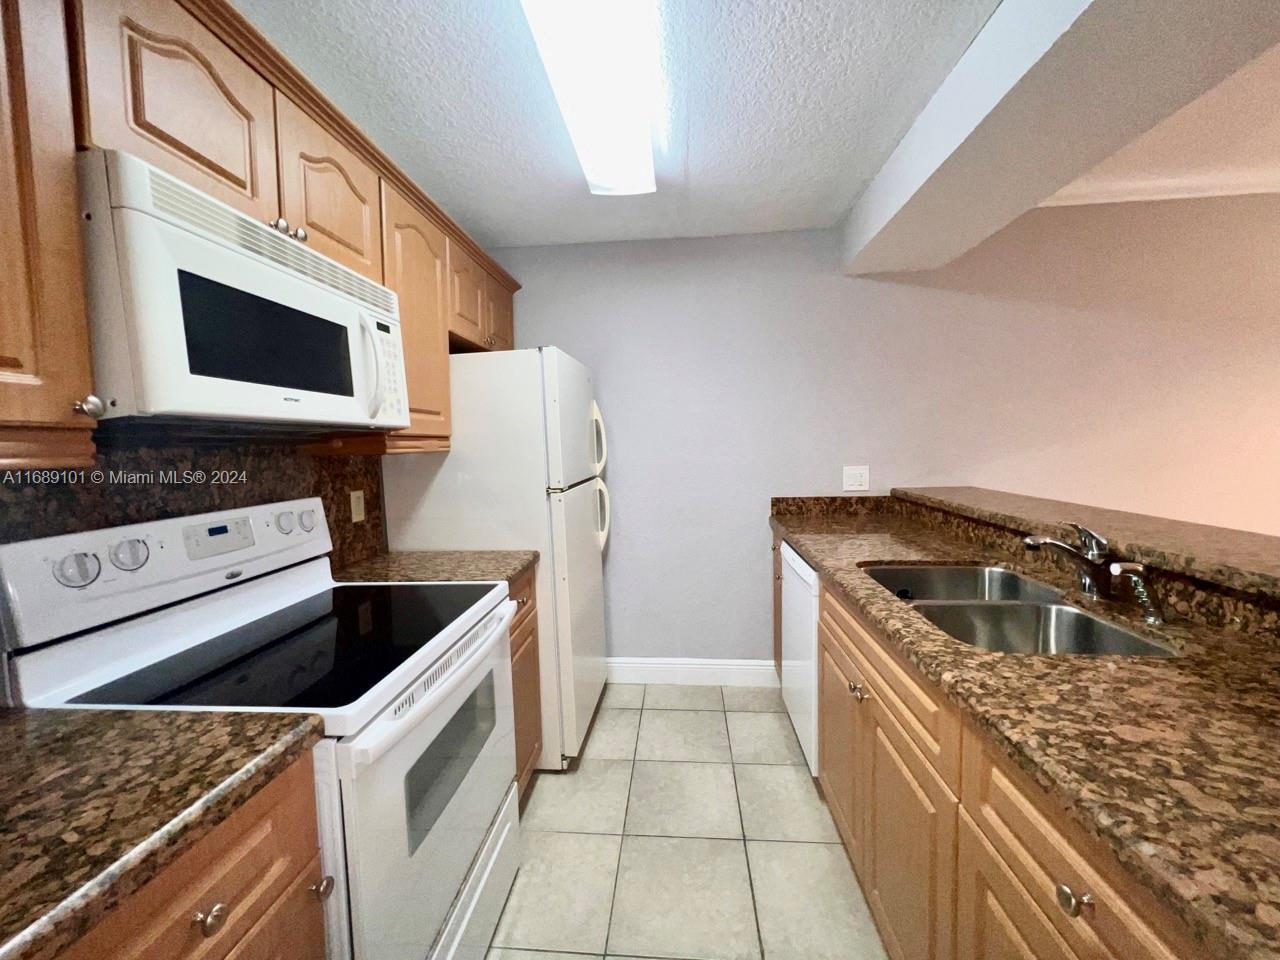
600, 441
602, 502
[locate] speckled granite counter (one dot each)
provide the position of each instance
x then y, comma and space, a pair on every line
1172, 763
442, 565
93, 803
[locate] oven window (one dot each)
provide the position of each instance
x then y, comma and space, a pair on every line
436, 775
235, 335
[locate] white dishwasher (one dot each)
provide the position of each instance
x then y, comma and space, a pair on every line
800, 651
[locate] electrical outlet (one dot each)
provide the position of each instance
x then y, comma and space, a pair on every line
857, 478
357, 506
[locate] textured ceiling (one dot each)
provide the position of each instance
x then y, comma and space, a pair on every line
779, 111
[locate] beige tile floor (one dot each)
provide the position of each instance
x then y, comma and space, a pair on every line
690, 830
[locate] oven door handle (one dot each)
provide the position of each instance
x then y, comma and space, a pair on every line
379, 392
387, 733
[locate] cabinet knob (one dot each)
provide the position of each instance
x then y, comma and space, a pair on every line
859, 691
1071, 904
212, 921
90, 406
777, 576
522, 601
322, 888
282, 225
300, 234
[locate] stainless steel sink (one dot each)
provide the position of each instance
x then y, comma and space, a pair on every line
960, 583
1041, 628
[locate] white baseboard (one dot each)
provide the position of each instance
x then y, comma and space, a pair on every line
727, 673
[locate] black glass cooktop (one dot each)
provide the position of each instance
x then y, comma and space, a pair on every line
325, 651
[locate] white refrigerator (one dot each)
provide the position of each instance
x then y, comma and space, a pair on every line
523, 472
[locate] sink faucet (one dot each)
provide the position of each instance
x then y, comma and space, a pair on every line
1091, 557
1136, 574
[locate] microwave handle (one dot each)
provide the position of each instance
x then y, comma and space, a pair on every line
379, 387
365, 753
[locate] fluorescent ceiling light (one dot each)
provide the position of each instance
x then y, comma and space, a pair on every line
602, 58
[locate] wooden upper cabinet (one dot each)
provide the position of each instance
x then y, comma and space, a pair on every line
499, 316
157, 84
466, 296
416, 268
44, 336
329, 191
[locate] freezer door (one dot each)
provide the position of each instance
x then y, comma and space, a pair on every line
572, 445
577, 529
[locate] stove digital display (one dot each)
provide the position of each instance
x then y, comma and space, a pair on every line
219, 530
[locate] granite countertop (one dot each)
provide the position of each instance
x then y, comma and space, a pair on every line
1170, 762
442, 565
94, 803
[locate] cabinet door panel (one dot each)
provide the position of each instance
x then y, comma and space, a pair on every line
466, 296
909, 839
526, 687
292, 928
996, 919
777, 610
417, 270
44, 334
159, 85
838, 735
328, 190
499, 318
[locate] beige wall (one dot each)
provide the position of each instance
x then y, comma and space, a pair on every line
1126, 356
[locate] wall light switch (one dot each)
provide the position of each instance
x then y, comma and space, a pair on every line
857, 478
357, 506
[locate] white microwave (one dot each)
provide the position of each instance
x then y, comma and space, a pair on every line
198, 311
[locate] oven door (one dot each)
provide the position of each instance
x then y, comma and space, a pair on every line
217, 332
419, 793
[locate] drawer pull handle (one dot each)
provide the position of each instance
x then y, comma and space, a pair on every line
859, 691
322, 889
1071, 904
210, 923
522, 601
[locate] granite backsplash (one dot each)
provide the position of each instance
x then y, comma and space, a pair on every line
132, 491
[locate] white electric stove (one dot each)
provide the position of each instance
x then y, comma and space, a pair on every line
238, 610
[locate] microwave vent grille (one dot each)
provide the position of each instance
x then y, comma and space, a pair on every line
191, 207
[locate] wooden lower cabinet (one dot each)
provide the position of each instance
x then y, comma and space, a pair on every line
526, 682
988, 876
839, 736
256, 868
44, 333
289, 929
996, 919
909, 840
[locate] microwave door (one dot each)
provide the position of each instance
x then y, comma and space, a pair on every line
218, 333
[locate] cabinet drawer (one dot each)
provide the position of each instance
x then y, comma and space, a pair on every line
1018, 820
522, 592
293, 927
932, 724
246, 863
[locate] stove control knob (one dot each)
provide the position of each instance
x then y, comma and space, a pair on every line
130, 554
284, 521
307, 520
77, 569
